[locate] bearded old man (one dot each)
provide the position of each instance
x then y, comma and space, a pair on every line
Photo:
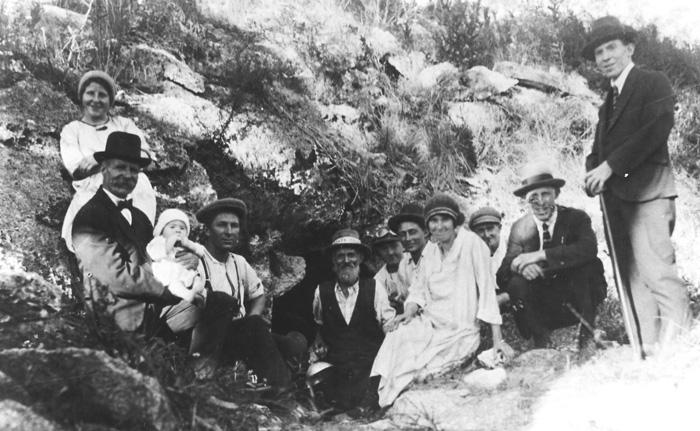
551, 265
630, 166
352, 314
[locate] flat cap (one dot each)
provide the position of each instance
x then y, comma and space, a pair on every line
207, 213
484, 215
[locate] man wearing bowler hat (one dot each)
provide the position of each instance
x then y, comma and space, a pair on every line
409, 224
629, 165
351, 313
110, 236
550, 270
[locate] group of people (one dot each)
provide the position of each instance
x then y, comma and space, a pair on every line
421, 314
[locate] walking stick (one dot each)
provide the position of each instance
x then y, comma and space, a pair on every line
631, 326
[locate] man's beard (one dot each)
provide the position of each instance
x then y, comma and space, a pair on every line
348, 274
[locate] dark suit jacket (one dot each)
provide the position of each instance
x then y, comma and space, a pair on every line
117, 274
574, 243
635, 140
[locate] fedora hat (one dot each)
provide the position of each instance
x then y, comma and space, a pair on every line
347, 238
604, 30
207, 213
536, 176
410, 212
123, 146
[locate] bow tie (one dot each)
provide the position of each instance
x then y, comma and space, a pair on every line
125, 204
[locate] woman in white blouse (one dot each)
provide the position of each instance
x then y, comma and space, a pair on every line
453, 290
80, 139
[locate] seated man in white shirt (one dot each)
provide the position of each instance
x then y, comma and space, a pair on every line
551, 271
351, 314
230, 326
387, 245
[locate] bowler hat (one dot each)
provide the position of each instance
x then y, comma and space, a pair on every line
410, 212
484, 215
123, 146
604, 30
537, 175
101, 77
442, 203
207, 213
347, 238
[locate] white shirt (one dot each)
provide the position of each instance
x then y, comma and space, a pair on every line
382, 309
393, 283
408, 269
126, 212
550, 226
619, 82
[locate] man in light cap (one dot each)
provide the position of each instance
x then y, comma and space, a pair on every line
351, 313
486, 222
231, 325
388, 246
630, 166
550, 267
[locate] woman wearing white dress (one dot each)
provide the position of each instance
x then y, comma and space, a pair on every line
80, 139
453, 291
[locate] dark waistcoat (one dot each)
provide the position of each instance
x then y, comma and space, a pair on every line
355, 344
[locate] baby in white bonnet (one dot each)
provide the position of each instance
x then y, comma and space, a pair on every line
170, 236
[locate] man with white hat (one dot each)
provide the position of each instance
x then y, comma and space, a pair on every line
486, 222
550, 270
351, 313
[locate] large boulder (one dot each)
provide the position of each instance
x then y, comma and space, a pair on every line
484, 83
88, 385
18, 417
162, 65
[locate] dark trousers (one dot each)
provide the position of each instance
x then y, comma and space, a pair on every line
216, 335
349, 387
541, 305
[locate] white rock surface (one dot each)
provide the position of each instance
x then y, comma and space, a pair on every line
484, 82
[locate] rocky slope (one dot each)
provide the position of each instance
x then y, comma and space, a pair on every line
314, 118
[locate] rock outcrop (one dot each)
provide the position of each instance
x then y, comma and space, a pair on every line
88, 385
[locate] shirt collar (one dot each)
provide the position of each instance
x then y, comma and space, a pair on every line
550, 223
115, 198
351, 290
619, 82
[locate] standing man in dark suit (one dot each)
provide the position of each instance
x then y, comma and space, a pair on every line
629, 164
110, 237
550, 265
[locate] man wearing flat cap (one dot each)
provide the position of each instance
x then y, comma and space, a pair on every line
550, 270
351, 313
387, 245
231, 325
486, 222
409, 224
110, 236
630, 166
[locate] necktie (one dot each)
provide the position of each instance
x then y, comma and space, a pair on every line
615, 94
546, 237
125, 206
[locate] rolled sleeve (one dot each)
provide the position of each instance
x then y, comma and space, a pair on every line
487, 309
253, 286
